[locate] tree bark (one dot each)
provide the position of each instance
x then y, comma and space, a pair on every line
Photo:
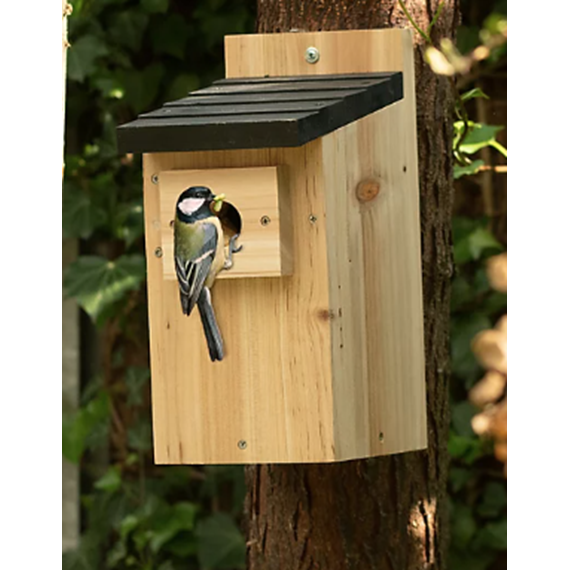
384, 513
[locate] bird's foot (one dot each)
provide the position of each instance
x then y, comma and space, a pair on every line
232, 248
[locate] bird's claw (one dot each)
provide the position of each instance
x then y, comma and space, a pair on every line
232, 248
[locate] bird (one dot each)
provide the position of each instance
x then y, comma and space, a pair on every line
199, 256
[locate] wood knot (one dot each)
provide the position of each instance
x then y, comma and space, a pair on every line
367, 190
326, 314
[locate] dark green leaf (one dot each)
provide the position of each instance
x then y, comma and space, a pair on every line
170, 36
111, 481
141, 87
221, 545
96, 282
181, 518
494, 535
461, 415
80, 216
468, 449
78, 427
182, 85
473, 93
480, 240
129, 221
467, 170
127, 29
82, 55
478, 137
139, 436
458, 478
494, 499
464, 328
463, 526
471, 247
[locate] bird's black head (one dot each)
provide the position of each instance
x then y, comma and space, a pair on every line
194, 203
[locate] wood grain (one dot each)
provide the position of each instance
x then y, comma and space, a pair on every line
374, 249
273, 388
259, 194
326, 364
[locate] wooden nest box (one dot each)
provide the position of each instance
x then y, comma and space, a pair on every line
312, 137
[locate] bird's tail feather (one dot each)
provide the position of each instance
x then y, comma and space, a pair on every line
211, 330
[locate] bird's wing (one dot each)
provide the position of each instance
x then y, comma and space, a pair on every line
192, 271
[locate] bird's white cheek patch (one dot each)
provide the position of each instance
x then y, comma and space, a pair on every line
189, 205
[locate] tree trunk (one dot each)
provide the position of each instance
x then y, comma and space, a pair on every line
384, 513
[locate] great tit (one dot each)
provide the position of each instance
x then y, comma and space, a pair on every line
199, 257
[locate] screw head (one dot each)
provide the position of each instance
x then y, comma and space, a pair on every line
154, 178
312, 55
242, 444
312, 218
381, 437
158, 252
265, 220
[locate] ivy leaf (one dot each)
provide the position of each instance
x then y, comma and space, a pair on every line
463, 526
461, 416
111, 481
463, 329
494, 499
182, 85
129, 222
494, 535
221, 545
96, 283
82, 55
170, 36
478, 137
128, 29
474, 93
480, 240
467, 170
80, 217
139, 436
141, 87
78, 427
472, 246
181, 518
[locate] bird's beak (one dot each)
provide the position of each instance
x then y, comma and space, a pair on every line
218, 200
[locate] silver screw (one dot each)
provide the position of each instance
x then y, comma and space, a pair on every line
242, 444
154, 178
381, 437
158, 252
265, 220
312, 55
312, 218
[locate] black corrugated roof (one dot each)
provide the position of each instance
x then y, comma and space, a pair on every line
260, 112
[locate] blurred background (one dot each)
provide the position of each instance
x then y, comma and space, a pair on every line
119, 510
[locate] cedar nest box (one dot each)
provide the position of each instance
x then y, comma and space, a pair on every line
312, 138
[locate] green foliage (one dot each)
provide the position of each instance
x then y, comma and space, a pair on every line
97, 283
477, 488
128, 57
221, 543
80, 427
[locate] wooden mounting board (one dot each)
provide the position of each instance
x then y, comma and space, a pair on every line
326, 364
